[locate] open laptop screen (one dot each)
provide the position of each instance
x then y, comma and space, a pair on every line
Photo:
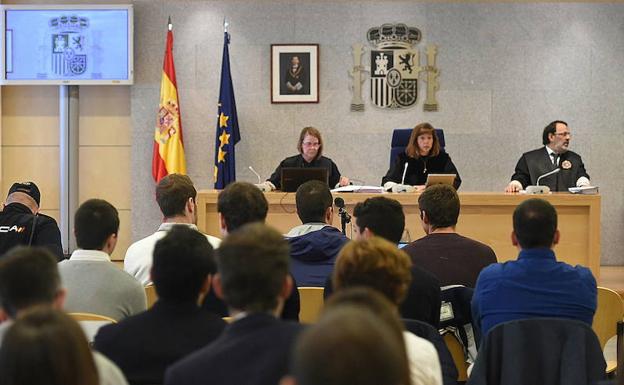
293, 177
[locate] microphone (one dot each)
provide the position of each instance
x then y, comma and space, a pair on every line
256, 174
404, 172
344, 215
537, 189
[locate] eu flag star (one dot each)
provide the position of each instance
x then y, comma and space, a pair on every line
223, 120
224, 138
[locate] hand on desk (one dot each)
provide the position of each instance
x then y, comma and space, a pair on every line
344, 181
513, 187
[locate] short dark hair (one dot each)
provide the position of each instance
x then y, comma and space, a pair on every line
551, 128
95, 221
349, 345
312, 200
535, 223
46, 346
29, 276
181, 262
253, 265
172, 193
241, 203
383, 216
441, 204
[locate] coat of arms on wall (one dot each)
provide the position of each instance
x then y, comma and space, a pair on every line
69, 45
394, 69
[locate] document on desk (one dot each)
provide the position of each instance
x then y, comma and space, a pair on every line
359, 189
584, 190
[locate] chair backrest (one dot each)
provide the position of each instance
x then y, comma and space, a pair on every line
457, 352
400, 138
609, 311
91, 317
150, 294
311, 299
545, 351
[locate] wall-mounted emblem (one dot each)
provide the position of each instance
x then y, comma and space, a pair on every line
394, 69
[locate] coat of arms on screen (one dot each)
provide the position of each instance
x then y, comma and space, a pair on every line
394, 69
69, 45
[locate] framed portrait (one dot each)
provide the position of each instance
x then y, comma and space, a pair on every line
294, 73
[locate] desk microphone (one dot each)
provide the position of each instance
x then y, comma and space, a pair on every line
344, 215
537, 189
255, 173
404, 172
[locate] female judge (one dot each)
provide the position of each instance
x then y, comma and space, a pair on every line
310, 148
423, 156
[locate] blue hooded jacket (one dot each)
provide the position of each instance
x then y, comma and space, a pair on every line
313, 252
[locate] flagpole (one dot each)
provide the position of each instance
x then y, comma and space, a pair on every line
226, 24
169, 25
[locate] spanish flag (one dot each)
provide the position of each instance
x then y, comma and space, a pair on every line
168, 143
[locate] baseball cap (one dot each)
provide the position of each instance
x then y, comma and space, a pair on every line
29, 188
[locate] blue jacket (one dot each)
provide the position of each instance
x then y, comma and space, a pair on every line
313, 254
535, 285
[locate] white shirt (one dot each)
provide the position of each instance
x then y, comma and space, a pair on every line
138, 260
423, 360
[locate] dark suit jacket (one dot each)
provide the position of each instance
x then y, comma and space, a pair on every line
145, 344
545, 351
534, 163
254, 350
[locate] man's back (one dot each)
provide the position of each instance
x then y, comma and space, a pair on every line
254, 350
535, 285
313, 252
138, 259
452, 258
96, 285
144, 345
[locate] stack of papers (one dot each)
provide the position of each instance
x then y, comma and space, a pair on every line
584, 190
360, 189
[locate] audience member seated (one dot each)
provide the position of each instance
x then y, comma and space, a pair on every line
253, 279
46, 346
21, 211
384, 217
350, 345
145, 344
379, 264
29, 279
238, 204
315, 244
378, 304
177, 198
452, 258
94, 283
536, 284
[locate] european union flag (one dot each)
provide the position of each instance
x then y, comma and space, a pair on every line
227, 125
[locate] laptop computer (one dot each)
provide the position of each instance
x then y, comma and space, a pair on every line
440, 179
293, 177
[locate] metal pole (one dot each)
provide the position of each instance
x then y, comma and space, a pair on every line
68, 153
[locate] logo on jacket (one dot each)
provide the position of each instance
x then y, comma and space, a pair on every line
394, 69
14, 228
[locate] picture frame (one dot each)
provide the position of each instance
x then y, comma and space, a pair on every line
294, 73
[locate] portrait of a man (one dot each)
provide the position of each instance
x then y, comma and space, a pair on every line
295, 73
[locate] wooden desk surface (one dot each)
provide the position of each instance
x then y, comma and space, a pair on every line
484, 216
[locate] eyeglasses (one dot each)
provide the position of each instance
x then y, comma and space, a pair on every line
563, 134
311, 144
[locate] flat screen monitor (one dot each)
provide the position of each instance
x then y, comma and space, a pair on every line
293, 177
67, 44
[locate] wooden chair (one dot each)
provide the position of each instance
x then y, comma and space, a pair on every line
609, 311
457, 352
150, 294
311, 300
91, 317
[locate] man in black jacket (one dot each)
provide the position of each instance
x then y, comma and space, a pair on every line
22, 224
